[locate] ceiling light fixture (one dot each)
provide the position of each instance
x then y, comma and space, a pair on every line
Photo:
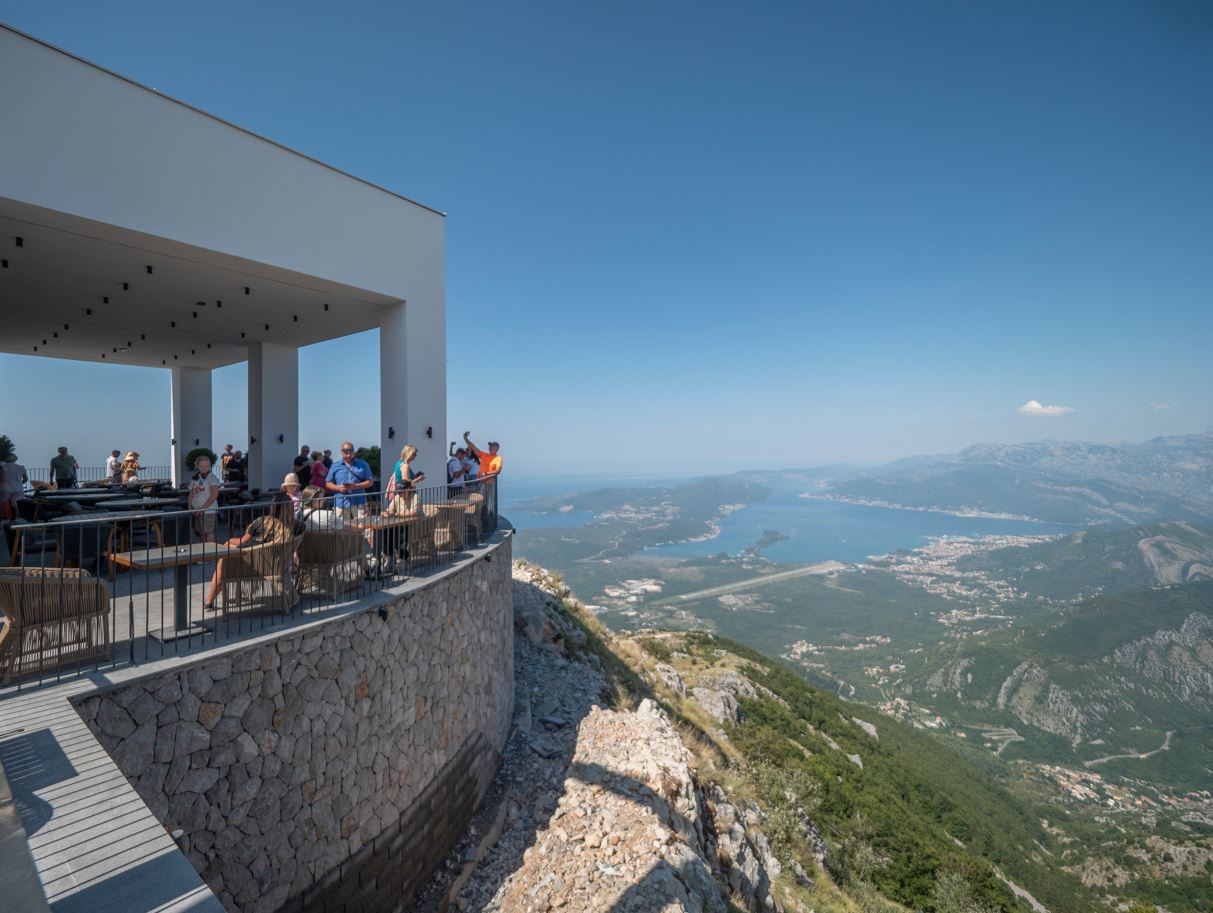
105, 299
126, 286
20, 241
295, 317
149, 270
246, 291
88, 312
3, 264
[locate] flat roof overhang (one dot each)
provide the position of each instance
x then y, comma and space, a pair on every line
80, 289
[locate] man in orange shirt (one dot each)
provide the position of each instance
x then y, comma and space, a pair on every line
490, 463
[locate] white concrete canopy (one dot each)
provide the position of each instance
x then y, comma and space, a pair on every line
139, 230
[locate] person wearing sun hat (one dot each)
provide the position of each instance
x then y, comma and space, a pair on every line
130, 467
290, 484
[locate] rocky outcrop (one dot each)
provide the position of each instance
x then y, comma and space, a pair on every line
596, 809
635, 830
720, 705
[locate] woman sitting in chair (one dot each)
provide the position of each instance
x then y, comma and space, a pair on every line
276, 527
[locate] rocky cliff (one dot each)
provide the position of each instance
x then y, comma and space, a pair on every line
598, 807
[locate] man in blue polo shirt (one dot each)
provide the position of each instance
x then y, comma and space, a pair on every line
348, 480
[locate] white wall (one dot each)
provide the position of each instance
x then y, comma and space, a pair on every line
191, 415
273, 412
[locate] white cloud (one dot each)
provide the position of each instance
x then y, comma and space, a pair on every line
1032, 407
1160, 407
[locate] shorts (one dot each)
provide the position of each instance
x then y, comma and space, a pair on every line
204, 523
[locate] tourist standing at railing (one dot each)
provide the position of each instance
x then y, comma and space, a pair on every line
349, 481
63, 469
328, 459
130, 467
319, 471
225, 461
490, 462
404, 482
456, 468
113, 466
204, 498
13, 479
471, 467
235, 468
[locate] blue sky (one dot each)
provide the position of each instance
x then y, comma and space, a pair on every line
690, 237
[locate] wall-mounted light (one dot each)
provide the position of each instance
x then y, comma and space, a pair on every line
197, 442
251, 440
174, 442
281, 438
391, 432
429, 431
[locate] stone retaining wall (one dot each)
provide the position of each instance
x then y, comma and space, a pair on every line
326, 767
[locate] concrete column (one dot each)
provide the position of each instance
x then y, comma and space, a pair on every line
412, 383
191, 412
273, 412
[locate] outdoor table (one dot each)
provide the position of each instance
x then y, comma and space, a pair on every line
379, 526
180, 558
143, 503
78, 494
76, 544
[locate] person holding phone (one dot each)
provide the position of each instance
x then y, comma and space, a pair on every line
348, 481
405, 481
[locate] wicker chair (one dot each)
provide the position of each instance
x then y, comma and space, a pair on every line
331, 561
261, 578
52, 618
475, 513
451, 534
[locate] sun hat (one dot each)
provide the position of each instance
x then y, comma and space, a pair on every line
131, 455
291, 479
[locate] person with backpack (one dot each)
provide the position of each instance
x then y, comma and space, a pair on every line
400, 495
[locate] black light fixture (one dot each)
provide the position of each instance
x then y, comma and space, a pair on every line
295, 317
164, 361
128, 343
44, 342
20, 241
193, 351
241, 335
88, 312
103, 355
105, 299
267, 327
326, 305
174, 358
246, 291
66, 327
195, 315
3, 264
281, 438
126, 286
35, 348
251, 440
391, 432
208, 345
56, 335
149, 270
115, 350
197, 442
143, 335
218, 303
200, 304
174, 442
429, 431
172, 323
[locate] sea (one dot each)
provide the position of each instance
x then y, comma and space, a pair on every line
816, 529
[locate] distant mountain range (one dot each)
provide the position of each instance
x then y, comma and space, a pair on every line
1168, 478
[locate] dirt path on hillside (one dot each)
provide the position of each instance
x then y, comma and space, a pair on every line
1165, 746
823, 567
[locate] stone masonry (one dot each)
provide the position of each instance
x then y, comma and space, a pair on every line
330, 767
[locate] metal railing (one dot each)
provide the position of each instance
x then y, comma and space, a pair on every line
100, 587
97, 473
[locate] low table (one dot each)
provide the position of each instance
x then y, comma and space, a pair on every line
180, 558
124, 503
378, 525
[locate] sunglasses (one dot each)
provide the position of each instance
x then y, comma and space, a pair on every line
347, 449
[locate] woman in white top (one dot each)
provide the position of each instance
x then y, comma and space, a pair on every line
204, 498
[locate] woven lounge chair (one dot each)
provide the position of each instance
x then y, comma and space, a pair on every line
52, 617
331, 561
261, 578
